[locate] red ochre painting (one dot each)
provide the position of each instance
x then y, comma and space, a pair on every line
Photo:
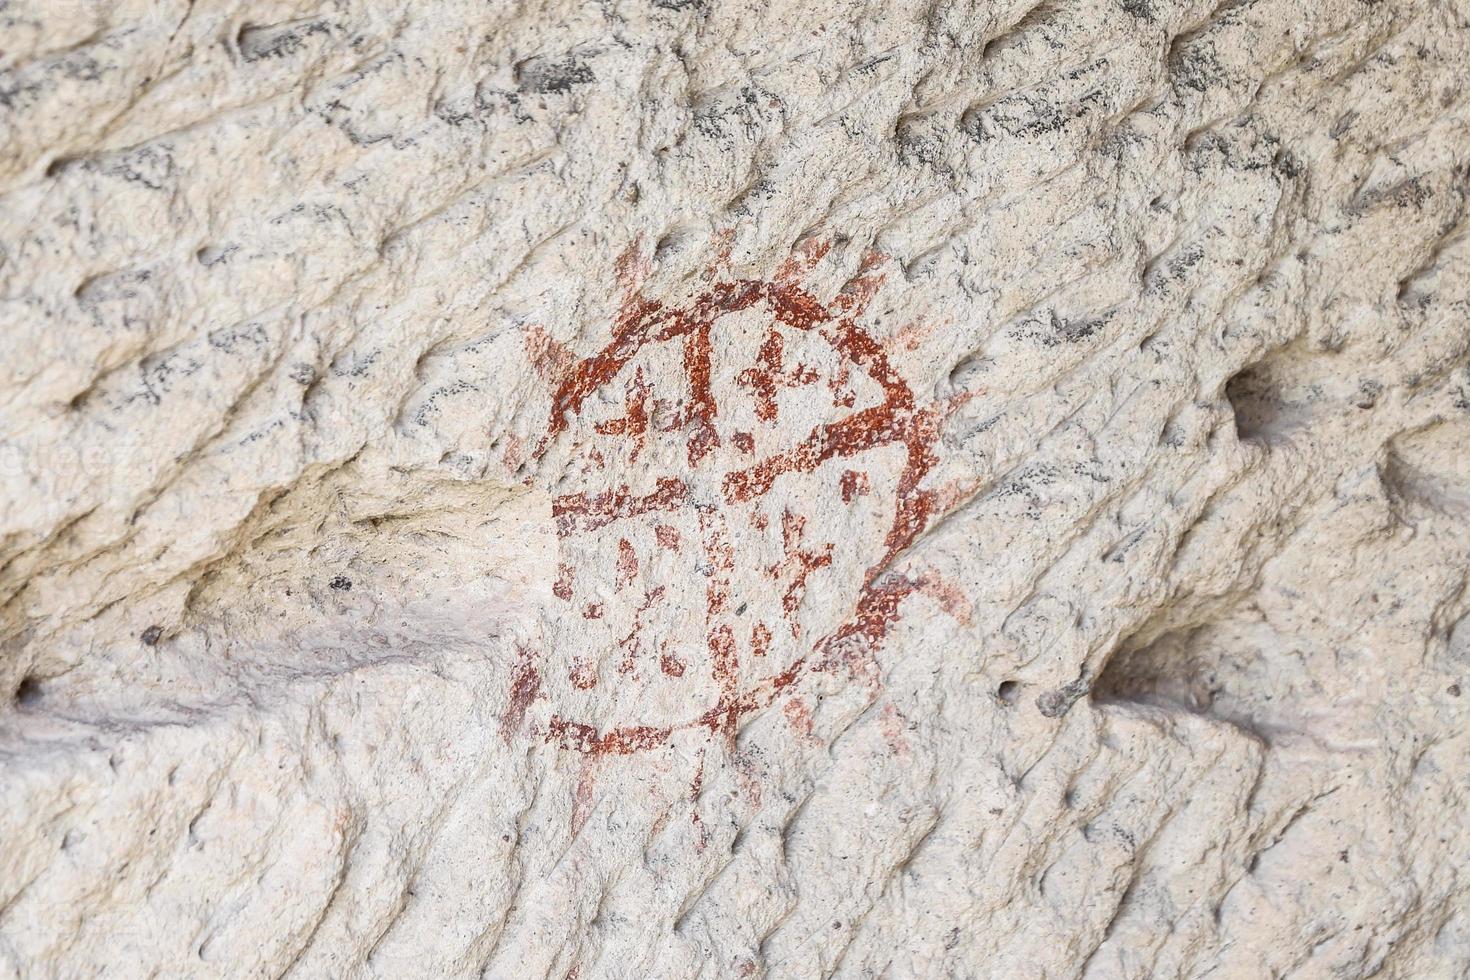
677, 457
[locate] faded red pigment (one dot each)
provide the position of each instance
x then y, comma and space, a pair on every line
896, 421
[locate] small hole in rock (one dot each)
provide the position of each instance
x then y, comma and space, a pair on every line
212, 255
1009, 692
151, 636
972, 122
1254, 401
28, 692
674, 241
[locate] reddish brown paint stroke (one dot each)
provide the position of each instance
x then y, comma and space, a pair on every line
579, 512
525, 685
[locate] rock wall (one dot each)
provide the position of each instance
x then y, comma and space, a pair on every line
687, 488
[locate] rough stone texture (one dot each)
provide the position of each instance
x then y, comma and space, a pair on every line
673, 488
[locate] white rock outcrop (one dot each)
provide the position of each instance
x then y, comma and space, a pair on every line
688, 488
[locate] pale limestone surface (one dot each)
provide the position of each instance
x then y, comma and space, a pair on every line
686, 488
